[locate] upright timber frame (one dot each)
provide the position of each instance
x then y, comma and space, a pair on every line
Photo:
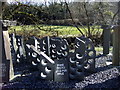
6, 65
116, 41
116, 46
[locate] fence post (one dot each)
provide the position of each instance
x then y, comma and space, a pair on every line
0, 49
116, 46
116, 42
106, 39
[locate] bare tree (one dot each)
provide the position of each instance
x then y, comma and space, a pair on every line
92, 14
73, 19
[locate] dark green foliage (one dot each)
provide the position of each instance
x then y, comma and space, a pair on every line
30, 13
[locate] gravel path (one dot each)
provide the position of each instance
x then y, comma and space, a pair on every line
102, 79
105, 77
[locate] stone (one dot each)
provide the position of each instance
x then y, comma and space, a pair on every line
19, 40
45, 65
61, 72
59, 48
76, 69
30, 54
17, 49
45, 45
83, 59
13, 47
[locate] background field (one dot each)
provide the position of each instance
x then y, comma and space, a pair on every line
61, 31
50, 30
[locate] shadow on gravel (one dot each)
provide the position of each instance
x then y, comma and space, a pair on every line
111, 83
32, 81
105, 77
100, 69
104, 68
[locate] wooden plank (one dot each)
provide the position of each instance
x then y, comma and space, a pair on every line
6, 65
0, 49
8, 53
106, 39
116, 41
116, 46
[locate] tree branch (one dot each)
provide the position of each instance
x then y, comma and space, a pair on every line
114, 16
88, 21
72, 18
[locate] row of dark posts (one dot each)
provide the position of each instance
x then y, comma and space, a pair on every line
52, 57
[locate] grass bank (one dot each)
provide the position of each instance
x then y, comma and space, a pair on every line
50, 30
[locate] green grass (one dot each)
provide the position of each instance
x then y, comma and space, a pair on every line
51, 30
32, 30
100, 50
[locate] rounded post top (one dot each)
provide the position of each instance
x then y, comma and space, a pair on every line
105, 26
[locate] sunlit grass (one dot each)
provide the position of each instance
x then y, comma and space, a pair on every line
51, 29
99, 50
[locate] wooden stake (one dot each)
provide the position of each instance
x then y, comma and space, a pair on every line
116, 41
116, 46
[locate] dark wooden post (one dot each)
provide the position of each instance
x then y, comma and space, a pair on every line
106, 39
0, 48
116, 41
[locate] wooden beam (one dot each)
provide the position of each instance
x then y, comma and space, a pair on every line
0, 48
116, 46
116, 41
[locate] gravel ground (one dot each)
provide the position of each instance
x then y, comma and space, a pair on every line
105, 77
